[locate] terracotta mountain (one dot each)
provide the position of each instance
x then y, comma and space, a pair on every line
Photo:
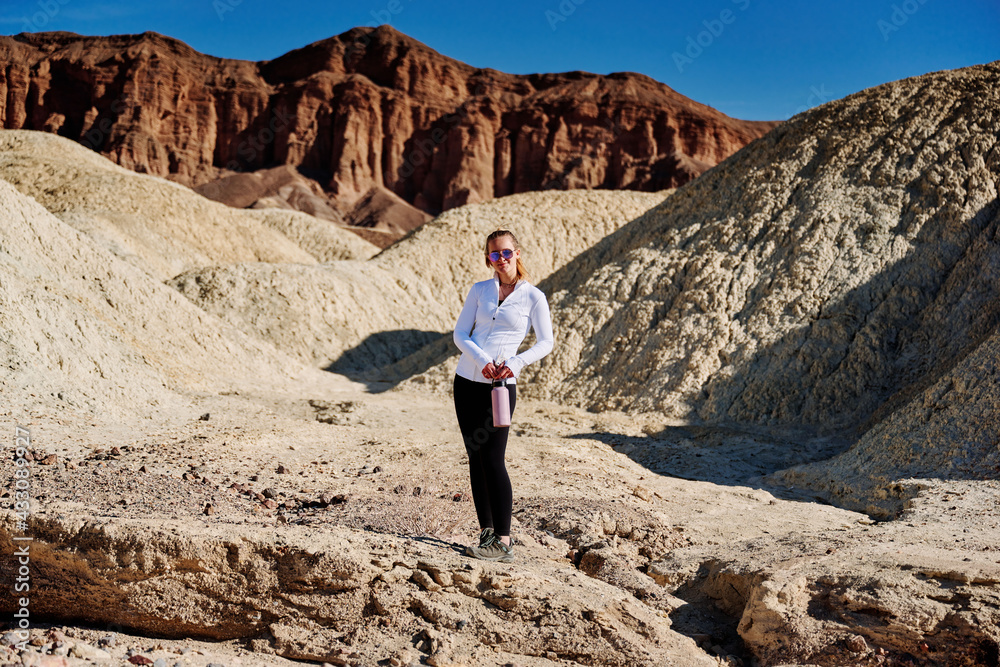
359, 117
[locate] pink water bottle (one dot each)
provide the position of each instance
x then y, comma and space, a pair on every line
501, 403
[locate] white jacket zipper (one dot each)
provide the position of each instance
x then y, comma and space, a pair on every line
494, 323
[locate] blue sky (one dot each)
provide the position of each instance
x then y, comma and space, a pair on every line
752, 59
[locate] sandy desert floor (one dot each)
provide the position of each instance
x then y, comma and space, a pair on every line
666, 513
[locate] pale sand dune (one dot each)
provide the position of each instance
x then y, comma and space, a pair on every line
162, 227
86, 331
411, 293
804, 281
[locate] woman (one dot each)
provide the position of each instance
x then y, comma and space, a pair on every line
494, 320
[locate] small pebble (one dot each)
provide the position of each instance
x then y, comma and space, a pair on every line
642, 493
88, 652
857, 644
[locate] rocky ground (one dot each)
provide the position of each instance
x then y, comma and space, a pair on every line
326, 524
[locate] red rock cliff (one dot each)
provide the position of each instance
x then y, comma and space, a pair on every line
368, 108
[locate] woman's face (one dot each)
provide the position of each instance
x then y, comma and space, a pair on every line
503, 265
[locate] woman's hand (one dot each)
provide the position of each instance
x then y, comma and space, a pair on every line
497, 372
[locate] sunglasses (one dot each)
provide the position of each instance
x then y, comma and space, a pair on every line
506, 252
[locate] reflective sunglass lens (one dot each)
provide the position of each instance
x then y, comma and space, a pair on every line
507, 254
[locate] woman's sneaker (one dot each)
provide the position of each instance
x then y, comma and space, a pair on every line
495, 551
485, 537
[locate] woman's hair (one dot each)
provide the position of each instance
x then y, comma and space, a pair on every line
522, 273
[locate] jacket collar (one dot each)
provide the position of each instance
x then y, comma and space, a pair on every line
496, 282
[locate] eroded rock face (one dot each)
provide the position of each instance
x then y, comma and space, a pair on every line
893, 595
341, 596
843, 258
946, 431
370, 108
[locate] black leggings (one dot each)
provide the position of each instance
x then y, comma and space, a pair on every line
485, 445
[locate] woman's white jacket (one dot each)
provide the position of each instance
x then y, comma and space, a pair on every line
487, 330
